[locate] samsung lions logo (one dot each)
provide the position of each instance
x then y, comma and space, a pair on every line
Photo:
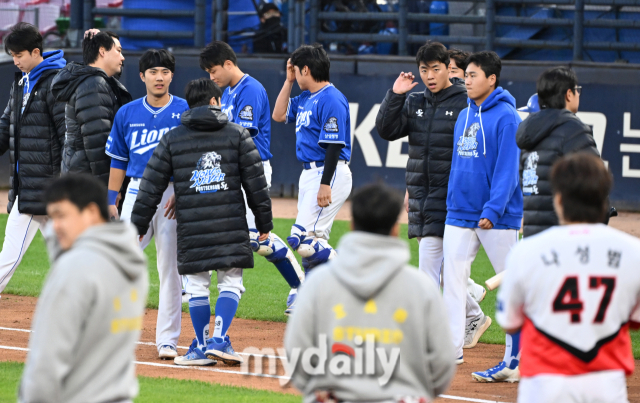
331, 126
529, 176
208, 178
246, 113
467, 145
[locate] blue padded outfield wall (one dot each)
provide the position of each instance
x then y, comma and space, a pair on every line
609, 102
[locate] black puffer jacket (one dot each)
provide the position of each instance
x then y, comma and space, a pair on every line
35, 138
211, 161
428, 119
544, 137
92, 102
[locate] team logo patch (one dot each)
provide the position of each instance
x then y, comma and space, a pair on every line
246, 113
420, 113
529, 175
467, 145
331, 126
208, 178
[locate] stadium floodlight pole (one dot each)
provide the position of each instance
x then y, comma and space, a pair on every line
578, 30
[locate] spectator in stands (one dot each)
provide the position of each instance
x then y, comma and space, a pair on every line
272, 35
93, 96
89, 315
32, 130
458, 63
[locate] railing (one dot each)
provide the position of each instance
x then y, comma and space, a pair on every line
198, 14
490, 20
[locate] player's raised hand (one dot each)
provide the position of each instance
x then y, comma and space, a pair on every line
170, 208
404, 83
324, 196
291, 72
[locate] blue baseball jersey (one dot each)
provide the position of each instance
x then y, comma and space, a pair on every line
137, 130
247, 105
321, 119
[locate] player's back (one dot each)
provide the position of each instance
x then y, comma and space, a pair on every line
580, 286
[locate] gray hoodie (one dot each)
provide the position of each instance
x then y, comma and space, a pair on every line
370, 289
88, 320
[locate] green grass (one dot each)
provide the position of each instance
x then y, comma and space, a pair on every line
265, 298
153, 390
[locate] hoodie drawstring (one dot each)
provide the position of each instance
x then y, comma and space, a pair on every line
467, 120
23, 80
484, 143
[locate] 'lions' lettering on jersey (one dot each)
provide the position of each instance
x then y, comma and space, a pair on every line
138, 128
321, 118
247, 105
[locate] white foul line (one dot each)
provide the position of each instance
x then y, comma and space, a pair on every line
153, 364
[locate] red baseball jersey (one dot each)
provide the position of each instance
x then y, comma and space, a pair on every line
575, 291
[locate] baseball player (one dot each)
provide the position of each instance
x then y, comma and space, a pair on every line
574, 290
323, 145
137, 130
484, 200
246, 103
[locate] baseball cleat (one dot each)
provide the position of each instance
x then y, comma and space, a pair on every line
167, 352
499, 373
291, 301
459, 360
194, 357
475, 328
221, 349
476, 291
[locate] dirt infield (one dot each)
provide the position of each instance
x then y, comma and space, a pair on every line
15, 321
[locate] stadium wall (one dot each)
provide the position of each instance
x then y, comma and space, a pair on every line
610, 102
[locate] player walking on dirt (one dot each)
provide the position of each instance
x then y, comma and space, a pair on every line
323, 146
574, 291
245, 102
137, 130
32, 130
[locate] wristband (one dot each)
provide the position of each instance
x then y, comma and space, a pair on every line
113, 195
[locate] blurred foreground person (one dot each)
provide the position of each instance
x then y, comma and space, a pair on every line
378, 320
89, 315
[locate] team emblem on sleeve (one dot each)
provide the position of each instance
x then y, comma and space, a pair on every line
331, 126
246, 113
208, 177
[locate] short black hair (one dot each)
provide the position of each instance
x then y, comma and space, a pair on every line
584, 184
314, 57
92, 43
489, 62
460, 57
199, 92
375, 208
157, 58
23, 36
81, 190
552, 86
432, 52
215, 54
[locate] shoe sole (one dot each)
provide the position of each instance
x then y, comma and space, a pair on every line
197, 363
225, 358
460, 361
484, 294
167, 357
479, 333
482, 379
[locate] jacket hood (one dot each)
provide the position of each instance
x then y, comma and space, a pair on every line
67, 80
368, 261
538, 126
52, 60
205, 118
118, 242
457, 88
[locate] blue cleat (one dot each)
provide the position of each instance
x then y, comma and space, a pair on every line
499, 373
194, 357
220, 349
291, 301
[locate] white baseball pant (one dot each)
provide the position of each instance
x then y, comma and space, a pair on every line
197, 285
251, 219
595, 387
169, 321
315, 219
18, 235
460, 247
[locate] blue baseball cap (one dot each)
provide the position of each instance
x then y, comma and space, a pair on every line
532, 105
